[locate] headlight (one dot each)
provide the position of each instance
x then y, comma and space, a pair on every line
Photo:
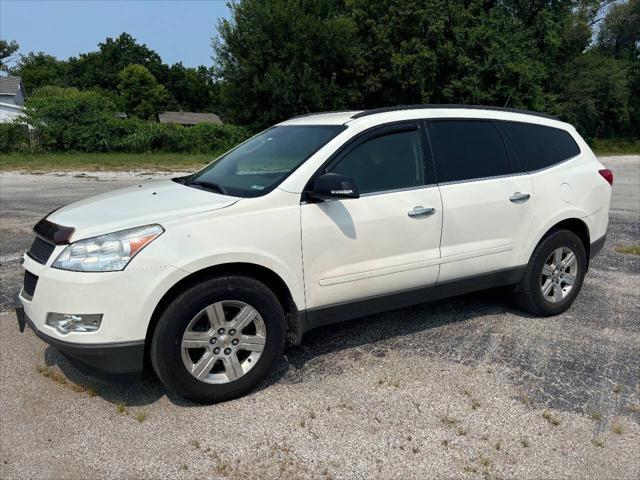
106, 253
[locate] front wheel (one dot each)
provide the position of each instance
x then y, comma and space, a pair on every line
219, 339
554, 274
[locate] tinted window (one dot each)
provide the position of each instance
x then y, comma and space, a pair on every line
261, 163
537, 146
468, 149
388, 162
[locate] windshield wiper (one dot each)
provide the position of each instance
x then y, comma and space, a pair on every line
207, 185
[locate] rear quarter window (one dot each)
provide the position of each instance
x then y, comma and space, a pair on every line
538, 146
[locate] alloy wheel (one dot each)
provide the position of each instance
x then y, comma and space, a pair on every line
559, 274
223, 341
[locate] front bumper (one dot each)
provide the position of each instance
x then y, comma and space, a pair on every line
126, 299
120, 357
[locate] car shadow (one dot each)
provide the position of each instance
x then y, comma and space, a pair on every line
373, 332
136, 390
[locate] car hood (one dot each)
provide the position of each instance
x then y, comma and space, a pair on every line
153, 202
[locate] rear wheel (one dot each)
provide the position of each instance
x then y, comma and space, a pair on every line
554, 275
218, 340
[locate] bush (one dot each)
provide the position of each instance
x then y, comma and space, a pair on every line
69, 119
145, 136
66, 119
149, 137
13, 137
211, 137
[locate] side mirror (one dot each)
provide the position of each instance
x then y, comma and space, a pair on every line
333, 185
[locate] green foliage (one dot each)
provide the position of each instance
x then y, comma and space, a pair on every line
211, 137
145, 137
615, 146
191, 89
619, 37
70, 119
620, 31
67, 119
13, 137
288, 57
142, 96
7, 49
596, 95
102, 68
150, 136
579, 59
39, 69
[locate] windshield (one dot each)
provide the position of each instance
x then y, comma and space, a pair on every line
262, 162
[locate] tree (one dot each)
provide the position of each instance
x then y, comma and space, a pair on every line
141, 94
7, 49
619, 37
192, 89
284, 57
595, 97
40, 69
288, 56
101, 68
416, 51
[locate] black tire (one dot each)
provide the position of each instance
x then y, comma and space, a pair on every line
528, 293
166, 354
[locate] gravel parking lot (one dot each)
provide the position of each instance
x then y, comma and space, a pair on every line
468, 387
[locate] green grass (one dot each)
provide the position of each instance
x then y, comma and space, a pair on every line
78, 161
628, 249
104, 161
615, 146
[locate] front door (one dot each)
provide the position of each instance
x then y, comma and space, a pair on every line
386, 241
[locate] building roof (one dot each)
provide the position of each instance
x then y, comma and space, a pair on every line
188, 118
10, 85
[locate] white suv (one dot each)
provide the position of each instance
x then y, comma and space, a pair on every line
316, 220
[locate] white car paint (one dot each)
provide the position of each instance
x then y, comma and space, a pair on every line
326, 253
154, 202
363, 248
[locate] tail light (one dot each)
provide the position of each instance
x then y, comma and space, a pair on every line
607, 175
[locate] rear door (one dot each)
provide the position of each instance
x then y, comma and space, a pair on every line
488, 206
386, 241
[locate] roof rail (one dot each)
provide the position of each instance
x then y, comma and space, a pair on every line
470, 107
319, 113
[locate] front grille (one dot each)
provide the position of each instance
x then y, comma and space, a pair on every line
29, 286
40, 250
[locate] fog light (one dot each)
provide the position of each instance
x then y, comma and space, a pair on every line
74, 322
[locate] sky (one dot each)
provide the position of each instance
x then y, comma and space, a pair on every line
177, 30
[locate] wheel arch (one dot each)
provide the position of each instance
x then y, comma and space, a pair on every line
575, 225
270, 278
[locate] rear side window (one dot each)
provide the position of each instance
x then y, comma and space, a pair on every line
537, 146
468, 149
389, 162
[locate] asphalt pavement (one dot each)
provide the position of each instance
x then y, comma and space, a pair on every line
468, 387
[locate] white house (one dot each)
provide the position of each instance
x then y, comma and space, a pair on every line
12, 95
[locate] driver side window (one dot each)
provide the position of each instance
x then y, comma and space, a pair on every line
388, 162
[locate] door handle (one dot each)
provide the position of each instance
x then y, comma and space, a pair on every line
519, 197
421, 212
